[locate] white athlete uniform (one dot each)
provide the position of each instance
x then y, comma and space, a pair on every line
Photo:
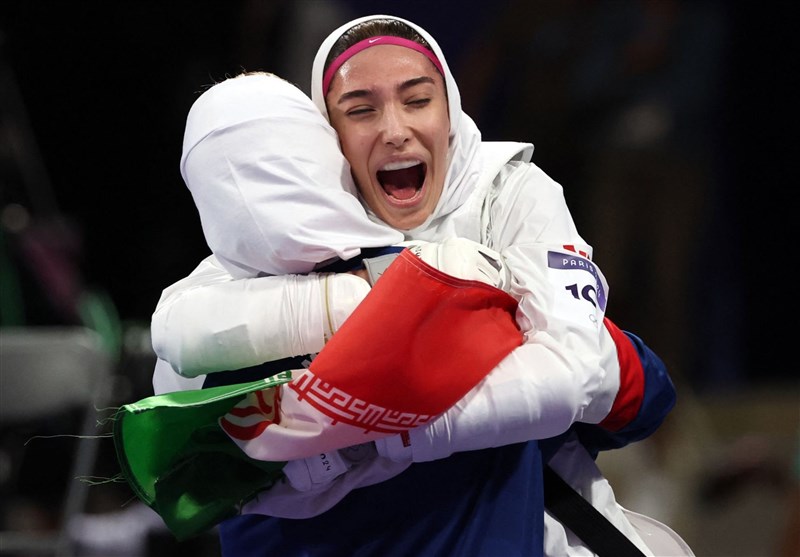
568, 370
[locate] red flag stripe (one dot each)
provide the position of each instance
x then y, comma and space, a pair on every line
631, 381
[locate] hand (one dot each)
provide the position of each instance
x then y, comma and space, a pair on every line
465, 259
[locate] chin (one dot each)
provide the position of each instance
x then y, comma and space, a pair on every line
408, 222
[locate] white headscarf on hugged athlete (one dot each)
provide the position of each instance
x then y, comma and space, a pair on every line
274, 192
471, 162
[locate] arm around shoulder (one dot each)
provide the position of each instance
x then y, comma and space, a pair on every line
210, 321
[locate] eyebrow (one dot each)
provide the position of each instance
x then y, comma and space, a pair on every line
408, 84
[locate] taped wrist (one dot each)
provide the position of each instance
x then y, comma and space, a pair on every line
341, 294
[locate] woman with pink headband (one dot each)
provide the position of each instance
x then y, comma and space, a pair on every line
421, 168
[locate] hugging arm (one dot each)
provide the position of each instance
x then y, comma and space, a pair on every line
210, 322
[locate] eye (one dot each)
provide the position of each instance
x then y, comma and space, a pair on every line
359, 110
420, 103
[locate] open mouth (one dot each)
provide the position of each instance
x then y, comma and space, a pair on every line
402, 181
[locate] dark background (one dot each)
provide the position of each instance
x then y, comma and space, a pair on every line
668, 123
95, 95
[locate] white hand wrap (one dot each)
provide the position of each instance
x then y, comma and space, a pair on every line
341, 293
313, 472
201, 330
465, 259
286, 501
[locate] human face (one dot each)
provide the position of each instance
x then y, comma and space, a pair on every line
388, 104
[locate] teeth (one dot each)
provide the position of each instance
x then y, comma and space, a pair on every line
400, 165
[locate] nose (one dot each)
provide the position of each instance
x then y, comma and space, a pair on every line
395, 131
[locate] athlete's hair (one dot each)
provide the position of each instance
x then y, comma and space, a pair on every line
369, 29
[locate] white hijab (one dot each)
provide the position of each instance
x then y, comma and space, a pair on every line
471, 161
273, 190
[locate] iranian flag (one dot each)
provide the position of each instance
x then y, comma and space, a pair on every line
416, 345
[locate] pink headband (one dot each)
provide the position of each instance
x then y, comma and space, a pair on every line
375, 41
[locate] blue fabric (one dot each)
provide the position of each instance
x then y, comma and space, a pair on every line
658, 400
477, 504
357, 262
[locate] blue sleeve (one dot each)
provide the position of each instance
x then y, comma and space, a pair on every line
658, 399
